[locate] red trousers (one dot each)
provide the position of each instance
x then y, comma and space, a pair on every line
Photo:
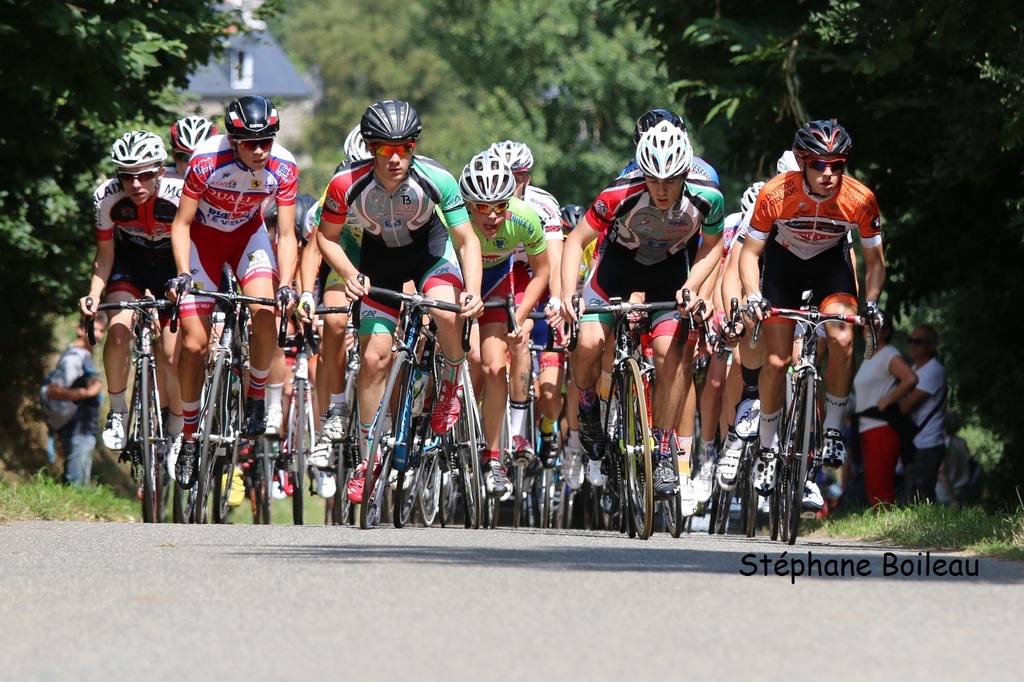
880, 448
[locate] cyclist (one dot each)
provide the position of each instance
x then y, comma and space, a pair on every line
519, 156
503, 223
656, 215
800, 225
219, 221
699, 168
391, 198
134, 212
186, 134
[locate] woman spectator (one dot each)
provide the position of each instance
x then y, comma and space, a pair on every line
882, 382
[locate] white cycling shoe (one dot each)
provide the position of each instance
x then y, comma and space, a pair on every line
703, 481
113, 432
765, 471
813, 501
596, 477
729, 462
748, 419
275, 417
687, 499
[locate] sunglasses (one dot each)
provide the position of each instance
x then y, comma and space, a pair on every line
182, 156
913, 341
144, 176
498, 207
837, 165
253, 145
389, 150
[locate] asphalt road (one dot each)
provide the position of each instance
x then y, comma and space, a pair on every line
125, 601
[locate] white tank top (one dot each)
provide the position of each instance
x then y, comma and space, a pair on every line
873, 381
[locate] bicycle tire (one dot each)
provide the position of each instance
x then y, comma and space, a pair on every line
207, 418
469, 444
404, 435
348, 460
142, 437
231, 427
802, 454
724, 507
673, 509
637, 448
370, 509
753, 500
518, 494
428, 495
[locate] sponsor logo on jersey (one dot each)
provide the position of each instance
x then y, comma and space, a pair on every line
601, 207
256, 184
331, 204
499, 243
203, 166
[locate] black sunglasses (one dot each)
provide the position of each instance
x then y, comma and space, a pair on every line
144, 176
913, 341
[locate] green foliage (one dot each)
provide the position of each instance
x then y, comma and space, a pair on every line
74, 74
931, 92
569, 78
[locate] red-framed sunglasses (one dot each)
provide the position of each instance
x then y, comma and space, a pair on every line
837, 165
389, 150
253, 145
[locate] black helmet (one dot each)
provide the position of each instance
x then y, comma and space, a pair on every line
822, 138
571, 215
653, 118
390, 121
252, 116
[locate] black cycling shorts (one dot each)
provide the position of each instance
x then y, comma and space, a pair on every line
829, 276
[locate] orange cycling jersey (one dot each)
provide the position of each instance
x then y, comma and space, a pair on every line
807, 225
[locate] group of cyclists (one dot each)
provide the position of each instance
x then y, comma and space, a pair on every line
393, 219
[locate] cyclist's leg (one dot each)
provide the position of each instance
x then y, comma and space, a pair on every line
116, 363
256, 271
493, 353
837, 284
520, 369
549, 401
333, 362
672, 377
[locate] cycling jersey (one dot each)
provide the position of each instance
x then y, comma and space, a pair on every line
521, 228
806, 225
146, 226
355, 198
650, 234
730, 231
230, 194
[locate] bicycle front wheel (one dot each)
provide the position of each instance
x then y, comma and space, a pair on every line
637, 450
143, 437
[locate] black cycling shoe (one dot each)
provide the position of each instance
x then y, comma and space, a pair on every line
666, 480
548, 449
185, 467
255, 418
591, 433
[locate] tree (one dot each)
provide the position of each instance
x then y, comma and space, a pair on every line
931, 92
75, 75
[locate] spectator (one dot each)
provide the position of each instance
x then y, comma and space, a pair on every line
926, 406
881, 383
76, 380
955, 472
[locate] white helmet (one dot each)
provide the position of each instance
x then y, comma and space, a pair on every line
487, 178
355, 147
187, 133
516, 154
664, 151
750, 197
787, 162
138, 148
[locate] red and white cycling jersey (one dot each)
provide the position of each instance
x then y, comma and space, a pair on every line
546, 206
230, 194
147, 226
807, 225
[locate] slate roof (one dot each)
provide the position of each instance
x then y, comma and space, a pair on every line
274, 75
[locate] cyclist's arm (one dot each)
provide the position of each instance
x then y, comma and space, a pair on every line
75, 395
555, 248
101, 267
750, 274
287, 244
731, 286
309, 262
899, 368
572, 252
709, 255
181, 244
541, 268
874, 265
327, 235
470, 256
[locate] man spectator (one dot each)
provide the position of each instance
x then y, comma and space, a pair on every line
76, 380
926, 406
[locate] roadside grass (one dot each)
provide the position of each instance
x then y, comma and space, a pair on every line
934, 527
41, 498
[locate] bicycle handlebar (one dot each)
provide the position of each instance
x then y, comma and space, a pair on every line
139, 305
734, 319
618, 308
420, 301
815, 319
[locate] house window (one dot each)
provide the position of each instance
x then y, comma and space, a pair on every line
241, 69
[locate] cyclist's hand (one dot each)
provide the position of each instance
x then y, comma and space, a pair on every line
178, 286
517, 338
569, 313
307, 304
872, 315
87, 305
286, 300
472, 306
356, 286
686, 301
553, 312
758, 307
704, 310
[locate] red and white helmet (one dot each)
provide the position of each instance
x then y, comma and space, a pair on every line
188, 132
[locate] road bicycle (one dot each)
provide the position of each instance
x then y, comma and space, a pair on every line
145, 440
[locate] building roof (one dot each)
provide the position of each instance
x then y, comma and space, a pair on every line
273, 74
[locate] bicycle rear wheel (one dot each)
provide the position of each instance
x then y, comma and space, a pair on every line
404, 436
804, 444
428, 493
637, 448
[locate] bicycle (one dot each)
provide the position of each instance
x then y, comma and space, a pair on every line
221, 411
389, 445
800, 439
145, 435
627, 428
